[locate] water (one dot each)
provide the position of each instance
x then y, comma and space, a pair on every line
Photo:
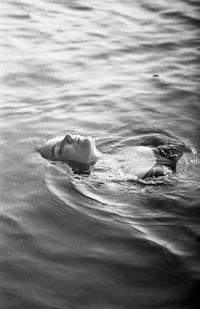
123, 72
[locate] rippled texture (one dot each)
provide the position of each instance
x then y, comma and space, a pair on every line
123, 72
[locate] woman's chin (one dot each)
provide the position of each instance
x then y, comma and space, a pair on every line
92, 141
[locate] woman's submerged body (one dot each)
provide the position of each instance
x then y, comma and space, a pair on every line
82, 155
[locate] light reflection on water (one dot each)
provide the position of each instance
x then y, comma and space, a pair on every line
119, 71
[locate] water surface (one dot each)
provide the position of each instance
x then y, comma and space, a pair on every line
123, 72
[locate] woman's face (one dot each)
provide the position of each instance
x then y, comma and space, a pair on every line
71, 147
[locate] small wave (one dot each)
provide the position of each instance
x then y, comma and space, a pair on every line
19, 16
77, 7
183, 16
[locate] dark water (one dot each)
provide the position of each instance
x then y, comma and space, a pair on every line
123, 72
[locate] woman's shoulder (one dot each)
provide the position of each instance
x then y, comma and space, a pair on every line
126, 163
138, 155
138, 160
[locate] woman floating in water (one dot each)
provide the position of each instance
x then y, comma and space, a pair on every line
82, 155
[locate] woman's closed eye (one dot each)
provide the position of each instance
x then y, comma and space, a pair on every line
68, 139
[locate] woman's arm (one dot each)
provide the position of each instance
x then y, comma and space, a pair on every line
157, 171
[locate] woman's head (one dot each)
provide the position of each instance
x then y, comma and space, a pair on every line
75, 148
